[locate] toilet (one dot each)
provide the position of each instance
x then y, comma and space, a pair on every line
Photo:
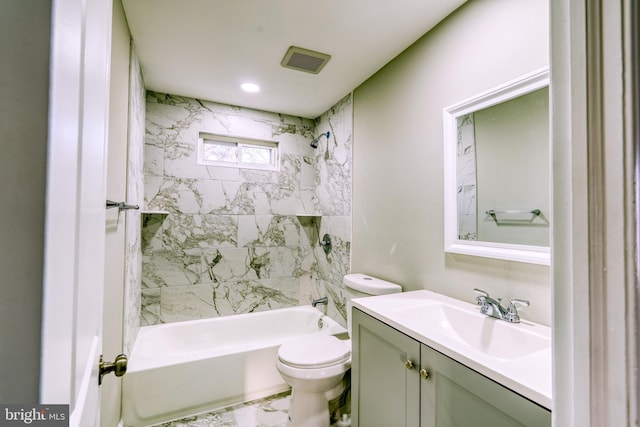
315, 366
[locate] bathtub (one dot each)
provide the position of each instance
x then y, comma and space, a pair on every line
185, 368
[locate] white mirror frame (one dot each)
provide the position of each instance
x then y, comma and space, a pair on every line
512, 252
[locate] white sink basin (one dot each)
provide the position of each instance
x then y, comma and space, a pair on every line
516, 355
491, 336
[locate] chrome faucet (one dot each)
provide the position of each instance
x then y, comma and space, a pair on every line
494, 308
323, 300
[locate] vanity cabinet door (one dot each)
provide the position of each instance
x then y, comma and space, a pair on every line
384, 375
454, 395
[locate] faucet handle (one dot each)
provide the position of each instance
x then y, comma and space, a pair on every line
517, 301
481, 298
512, 310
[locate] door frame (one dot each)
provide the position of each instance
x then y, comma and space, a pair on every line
595, 327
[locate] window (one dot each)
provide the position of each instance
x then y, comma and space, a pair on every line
224, 150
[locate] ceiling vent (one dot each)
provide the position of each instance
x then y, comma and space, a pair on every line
305, 60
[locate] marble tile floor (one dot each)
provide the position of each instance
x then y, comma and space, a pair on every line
271, 411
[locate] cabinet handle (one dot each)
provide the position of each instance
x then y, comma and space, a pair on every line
409, 364
424, 374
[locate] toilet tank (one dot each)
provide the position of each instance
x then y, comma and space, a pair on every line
361, 285
358, 285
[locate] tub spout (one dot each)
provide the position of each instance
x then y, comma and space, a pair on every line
323, 300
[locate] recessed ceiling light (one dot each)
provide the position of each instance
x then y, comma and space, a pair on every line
250, 87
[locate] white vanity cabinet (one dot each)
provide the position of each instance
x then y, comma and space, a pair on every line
397, 381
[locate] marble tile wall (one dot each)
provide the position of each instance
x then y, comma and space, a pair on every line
466, 176
233, 240
135, 195
333, 159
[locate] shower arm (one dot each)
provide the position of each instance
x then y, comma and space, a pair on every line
314, 142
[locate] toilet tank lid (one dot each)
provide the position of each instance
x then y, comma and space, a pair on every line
370, 285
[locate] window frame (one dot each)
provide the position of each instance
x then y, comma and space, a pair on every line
240, 143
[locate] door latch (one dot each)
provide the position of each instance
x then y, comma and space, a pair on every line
118, 367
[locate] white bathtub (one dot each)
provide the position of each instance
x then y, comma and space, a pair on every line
185, 368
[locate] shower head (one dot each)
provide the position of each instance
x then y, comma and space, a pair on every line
314, 142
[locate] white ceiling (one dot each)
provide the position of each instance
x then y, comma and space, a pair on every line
206, 48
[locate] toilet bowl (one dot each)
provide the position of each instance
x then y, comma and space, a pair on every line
315, 367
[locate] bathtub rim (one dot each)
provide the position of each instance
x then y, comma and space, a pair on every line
140, 362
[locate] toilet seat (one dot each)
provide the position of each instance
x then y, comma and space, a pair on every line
314, 352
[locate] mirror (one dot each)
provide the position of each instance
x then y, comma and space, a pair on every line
496, 154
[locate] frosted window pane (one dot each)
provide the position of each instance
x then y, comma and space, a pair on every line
256, 155
221, 151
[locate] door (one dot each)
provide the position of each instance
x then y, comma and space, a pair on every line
385, 384
454, 395
75, 218
116, 221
